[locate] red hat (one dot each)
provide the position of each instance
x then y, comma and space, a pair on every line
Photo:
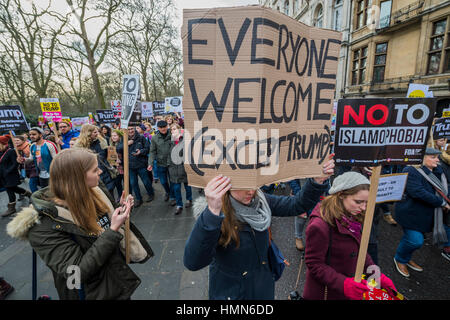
4, 139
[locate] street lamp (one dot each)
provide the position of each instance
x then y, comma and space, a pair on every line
154, 85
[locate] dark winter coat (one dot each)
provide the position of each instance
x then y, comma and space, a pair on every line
416, 210
60, 243
102, 155
177, 173
160, 149
139, 143
242, 273
9, 169
342, 263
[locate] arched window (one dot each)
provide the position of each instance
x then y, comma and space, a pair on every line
337, 15
286, 7
318, 18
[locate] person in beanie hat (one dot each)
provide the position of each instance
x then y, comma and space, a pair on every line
9, 175
420, 211
333, 238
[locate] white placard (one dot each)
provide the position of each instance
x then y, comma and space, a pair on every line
391, 187
174, 104
130, 92
147, 109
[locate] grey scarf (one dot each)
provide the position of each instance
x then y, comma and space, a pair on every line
439, 234
257, 214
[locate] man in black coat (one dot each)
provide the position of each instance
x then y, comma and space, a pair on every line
138, 149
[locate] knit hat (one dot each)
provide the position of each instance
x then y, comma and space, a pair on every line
37, 129
4, 139
161, 124
347, 181
432, 151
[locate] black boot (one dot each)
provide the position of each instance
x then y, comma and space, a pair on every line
5, 289
11, 209
23, 195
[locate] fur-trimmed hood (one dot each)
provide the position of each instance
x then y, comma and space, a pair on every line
18, 228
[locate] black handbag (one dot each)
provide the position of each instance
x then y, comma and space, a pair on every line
277, 262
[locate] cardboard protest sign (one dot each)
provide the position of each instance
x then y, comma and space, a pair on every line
159, 108
12, 119
382, 131
147, 109
51, 110
130, 94
391, 187
78, 122
105, 116
258, 95
441, 128
174, 104
41, 121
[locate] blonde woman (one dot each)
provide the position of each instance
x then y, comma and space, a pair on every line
75, 229
90, 139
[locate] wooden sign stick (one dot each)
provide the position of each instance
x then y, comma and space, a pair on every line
367, 223
126, 182
14, 145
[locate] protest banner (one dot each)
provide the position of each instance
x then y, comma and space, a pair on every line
441, 128
130, 96
105, 116
391, 187
158, 108
78, 122
258, 95
12, 119
116, 107
382, 131
147, 109
416, 90
41, 121
174, 104
51, 110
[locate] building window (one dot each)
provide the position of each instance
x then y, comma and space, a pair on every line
318, 19
296, 6
359, 66
439, 48
379, 64
362, 11
286, 7
385, 14
337, 15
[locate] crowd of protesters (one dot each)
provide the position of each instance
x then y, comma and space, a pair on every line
231, 234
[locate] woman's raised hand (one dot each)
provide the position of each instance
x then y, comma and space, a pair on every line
327, 169
214, 191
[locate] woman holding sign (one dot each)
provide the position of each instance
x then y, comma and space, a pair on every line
333, 236
231, 235
74, 227
9, 174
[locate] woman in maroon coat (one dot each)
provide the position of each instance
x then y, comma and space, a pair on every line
330, 269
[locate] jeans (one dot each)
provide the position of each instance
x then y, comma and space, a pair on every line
155, 170
33, 184
118, 185
163, 174
134, 182
410, 242
176, 187
300, 224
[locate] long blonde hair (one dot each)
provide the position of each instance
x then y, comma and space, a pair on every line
68, 183
230, 225
332, 207
84, 140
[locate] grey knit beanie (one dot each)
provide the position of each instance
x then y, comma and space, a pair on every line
347, 181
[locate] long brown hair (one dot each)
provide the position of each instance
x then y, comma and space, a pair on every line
68, 183
230, 225
332, 207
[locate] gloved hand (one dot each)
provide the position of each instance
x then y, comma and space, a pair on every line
386, 283
354, 290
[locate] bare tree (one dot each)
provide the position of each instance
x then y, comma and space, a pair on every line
94, 49
28, 42
168, 70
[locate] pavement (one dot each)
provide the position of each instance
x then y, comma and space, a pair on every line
164, 277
